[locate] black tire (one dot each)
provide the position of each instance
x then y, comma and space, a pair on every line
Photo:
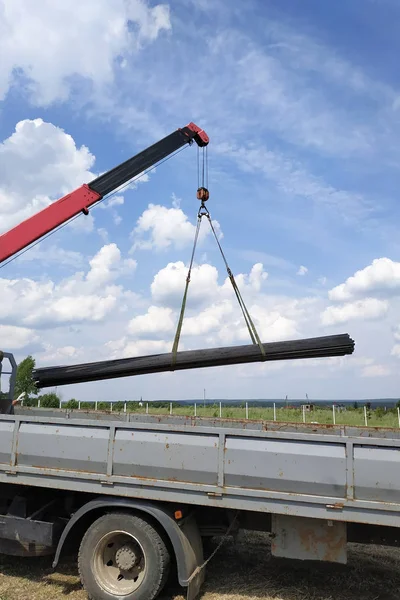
156, 557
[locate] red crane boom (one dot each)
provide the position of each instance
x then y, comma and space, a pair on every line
64, 209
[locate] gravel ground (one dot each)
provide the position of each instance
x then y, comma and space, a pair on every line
244, 571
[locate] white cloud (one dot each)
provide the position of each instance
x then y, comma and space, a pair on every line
51, 164
369, 308
51, 42
80, 298
271, 326
169, 283
62, 354
158, 320
376, 371
107, 265
161, 228
125, 348
14, 338
257, 276
382, 276
112, 201
247, 283
302, 270
396, 350
209, 320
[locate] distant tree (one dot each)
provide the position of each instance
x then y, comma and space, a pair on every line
24, 381
87, 405
71, 404
355, 405
50, 400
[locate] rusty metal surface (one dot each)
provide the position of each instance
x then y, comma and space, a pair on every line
308, 539
329, 472
190, 421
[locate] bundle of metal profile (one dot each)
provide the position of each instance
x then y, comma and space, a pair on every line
319, 347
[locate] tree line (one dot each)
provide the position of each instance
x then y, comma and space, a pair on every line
25, 384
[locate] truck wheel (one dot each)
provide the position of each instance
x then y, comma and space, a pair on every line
122, 556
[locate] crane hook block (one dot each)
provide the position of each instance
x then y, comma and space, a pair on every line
203, 194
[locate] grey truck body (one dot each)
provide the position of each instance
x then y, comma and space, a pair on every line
338, 473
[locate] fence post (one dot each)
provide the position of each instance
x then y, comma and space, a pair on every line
304, 413
111, 406
195, 409
79, 405
398, 414
247, 410
170, 408
124, 407
274, 411
95, 405
147, 408
60, 403
38, 403
220, 409
365, 416
334, 414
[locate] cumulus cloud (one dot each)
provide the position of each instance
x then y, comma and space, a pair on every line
158, 320
168, 284
62, 354
369, 308
48, 42
162, 228
209, 320
14, 338
83, 297
212, 310
124, 347
51, 163
396, 350
380, 277
107, 265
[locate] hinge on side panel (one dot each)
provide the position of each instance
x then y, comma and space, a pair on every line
111, 483
214, 494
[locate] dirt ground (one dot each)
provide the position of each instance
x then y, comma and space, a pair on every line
244, 571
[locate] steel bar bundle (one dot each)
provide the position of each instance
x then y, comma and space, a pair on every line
319, 347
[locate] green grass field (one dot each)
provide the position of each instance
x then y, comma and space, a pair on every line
322, 415
378, 417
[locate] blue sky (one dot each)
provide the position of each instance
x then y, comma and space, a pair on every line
301, 103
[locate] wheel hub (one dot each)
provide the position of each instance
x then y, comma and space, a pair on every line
126, 557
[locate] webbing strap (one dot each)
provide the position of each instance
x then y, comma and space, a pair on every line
248, 320
183, 307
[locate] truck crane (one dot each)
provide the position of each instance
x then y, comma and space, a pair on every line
81, 199
135, 495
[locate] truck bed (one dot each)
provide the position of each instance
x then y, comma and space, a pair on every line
331, 472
